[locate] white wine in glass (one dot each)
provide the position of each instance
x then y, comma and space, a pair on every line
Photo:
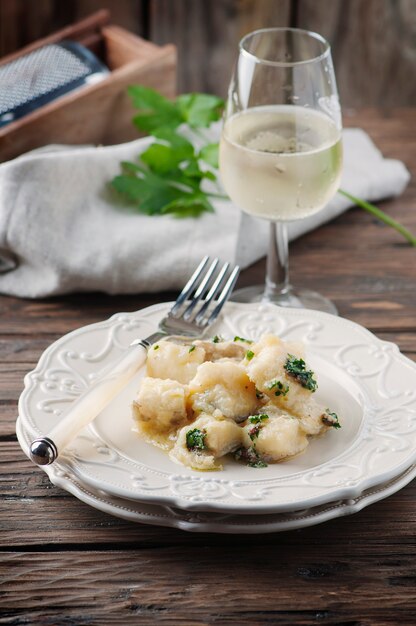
281, 151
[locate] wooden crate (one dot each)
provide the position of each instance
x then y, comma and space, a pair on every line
100, 113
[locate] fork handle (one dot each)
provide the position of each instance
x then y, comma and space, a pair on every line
44, 450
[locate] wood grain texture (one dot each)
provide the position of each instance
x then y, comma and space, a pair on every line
24, 21
207, 35
373, 41
63, 562
116, 586
373, 44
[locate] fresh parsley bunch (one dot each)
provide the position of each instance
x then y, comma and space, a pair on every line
168, 177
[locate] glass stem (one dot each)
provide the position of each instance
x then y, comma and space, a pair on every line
277, 267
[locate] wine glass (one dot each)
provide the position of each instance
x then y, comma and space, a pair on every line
281, 150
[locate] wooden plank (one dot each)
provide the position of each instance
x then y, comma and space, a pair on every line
78, 32
18, 349
129, 14
24, 21
373, 47
259, 585
63, 314
8, 416
207, 35
11, 380
58, 521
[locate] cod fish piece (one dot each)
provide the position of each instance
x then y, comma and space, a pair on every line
223, 388
199, 444
174, 361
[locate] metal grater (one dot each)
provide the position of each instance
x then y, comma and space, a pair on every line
43, 75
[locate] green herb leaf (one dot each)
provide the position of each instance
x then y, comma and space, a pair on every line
217, 339
188, 205
168, 178
250, 456
258, 463
331, 419
249, 355
256, 419
253, 432
280, 388
195, 439
209, 154
236, 338
149, 192
166, 157
296, 368
199, 109
381, 215
156, 110
191, 349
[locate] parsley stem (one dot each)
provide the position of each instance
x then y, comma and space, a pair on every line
367, 206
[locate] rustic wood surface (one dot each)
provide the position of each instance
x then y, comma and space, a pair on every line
62, 562
373, 41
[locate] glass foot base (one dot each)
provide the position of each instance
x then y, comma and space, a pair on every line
293, 298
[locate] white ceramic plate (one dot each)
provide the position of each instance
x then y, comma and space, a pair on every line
370, 385
200, 521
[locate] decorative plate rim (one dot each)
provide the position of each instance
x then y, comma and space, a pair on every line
183, 491
200, 521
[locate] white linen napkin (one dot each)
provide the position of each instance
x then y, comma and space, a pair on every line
60, 231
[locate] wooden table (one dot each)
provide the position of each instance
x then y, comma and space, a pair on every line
63, 562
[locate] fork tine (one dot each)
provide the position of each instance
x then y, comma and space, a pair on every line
189, 285
224, 295
212, 293
199, 292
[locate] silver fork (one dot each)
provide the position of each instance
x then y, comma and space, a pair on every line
195, 310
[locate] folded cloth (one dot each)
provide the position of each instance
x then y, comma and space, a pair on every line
60, 230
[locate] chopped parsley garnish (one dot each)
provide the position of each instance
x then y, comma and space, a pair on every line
155, 347
296, 368
280, 388
258, 463
330, 418
195, 439
257, 419
259, 394
249, 355
253, 432
236, 338
217, 339
250, 456
192, 348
